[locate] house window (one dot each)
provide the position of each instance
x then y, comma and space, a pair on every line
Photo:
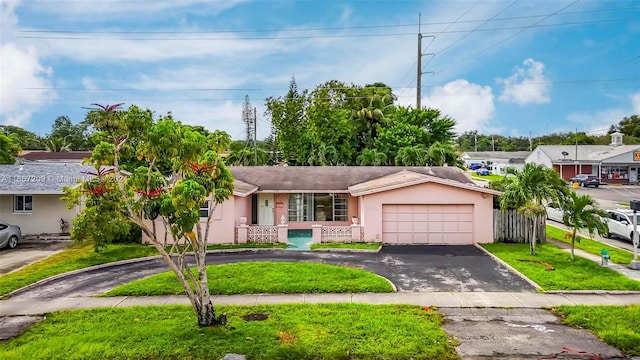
318, 207
23, 203
204, 210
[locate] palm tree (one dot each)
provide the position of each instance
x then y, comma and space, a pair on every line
580, 212
411, 156
529, 189
371, 157
534, 211
439, 154
56, 144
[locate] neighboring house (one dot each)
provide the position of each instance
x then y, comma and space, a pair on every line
43, 156
393, 205
615, 163
497, 161
30, 195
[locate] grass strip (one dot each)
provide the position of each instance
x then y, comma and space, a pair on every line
618, 326
298, 331
594, 247
353, 245
264, 277
580, 274
76, 256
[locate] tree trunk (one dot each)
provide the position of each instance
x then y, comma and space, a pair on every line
532, 241
573, 242
207, 315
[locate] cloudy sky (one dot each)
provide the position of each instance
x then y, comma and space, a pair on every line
499, 67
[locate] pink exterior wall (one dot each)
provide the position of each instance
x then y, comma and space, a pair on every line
222, 228
242, 209
428, 193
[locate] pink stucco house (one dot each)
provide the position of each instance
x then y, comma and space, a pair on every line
393, 205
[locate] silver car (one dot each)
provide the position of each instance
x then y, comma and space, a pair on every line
9, 235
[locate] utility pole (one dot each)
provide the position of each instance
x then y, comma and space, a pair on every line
419, 70
255, 136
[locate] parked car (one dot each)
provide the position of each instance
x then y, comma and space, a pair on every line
9, 235
482, 171
554, 212
585, 180
620, 223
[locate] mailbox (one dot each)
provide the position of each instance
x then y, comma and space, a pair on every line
634, 205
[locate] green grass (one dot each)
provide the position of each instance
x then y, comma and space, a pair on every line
618, 256
301, 331
77, 256
354, 245
580, 274
618, 326
264, 277
491, 177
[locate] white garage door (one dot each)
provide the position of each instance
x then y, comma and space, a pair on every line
427, 224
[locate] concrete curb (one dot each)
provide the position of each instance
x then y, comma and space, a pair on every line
521, 275
349, 250
122, 262
593, 292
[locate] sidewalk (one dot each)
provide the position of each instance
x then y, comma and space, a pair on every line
441, 299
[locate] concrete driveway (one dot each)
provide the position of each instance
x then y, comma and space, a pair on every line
29, 252
409, 268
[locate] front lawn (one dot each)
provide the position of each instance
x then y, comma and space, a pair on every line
354, 245
618, 326
491, 177
580, 274
618, 255
264, 277
77, 256
301, 331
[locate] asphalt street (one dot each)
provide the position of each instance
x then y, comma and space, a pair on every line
409, 268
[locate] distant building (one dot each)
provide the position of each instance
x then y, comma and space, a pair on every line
497, 161
43, 156
615, 163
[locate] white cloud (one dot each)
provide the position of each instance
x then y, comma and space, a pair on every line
471, 105
527, 85
635, 103
598, 122
21, 69
89, 83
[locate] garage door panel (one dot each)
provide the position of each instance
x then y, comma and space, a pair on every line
427, 224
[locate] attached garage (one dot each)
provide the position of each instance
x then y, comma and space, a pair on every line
413, 208
427, 223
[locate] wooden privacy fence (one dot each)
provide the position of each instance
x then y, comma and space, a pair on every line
511, 226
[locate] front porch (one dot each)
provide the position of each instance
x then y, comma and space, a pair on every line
281, 233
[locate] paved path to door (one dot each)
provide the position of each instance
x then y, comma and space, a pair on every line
409, 268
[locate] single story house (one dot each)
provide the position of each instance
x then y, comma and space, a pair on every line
30, 195
615, 163
43, 156
497, 161
393, 205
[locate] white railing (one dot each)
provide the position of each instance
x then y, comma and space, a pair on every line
337, 234
262, 234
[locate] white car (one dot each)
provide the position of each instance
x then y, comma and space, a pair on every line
620, 223
9, 235
554, 212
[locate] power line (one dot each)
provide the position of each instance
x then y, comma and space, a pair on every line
575, 81
322, 28
536, 24
302, 37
